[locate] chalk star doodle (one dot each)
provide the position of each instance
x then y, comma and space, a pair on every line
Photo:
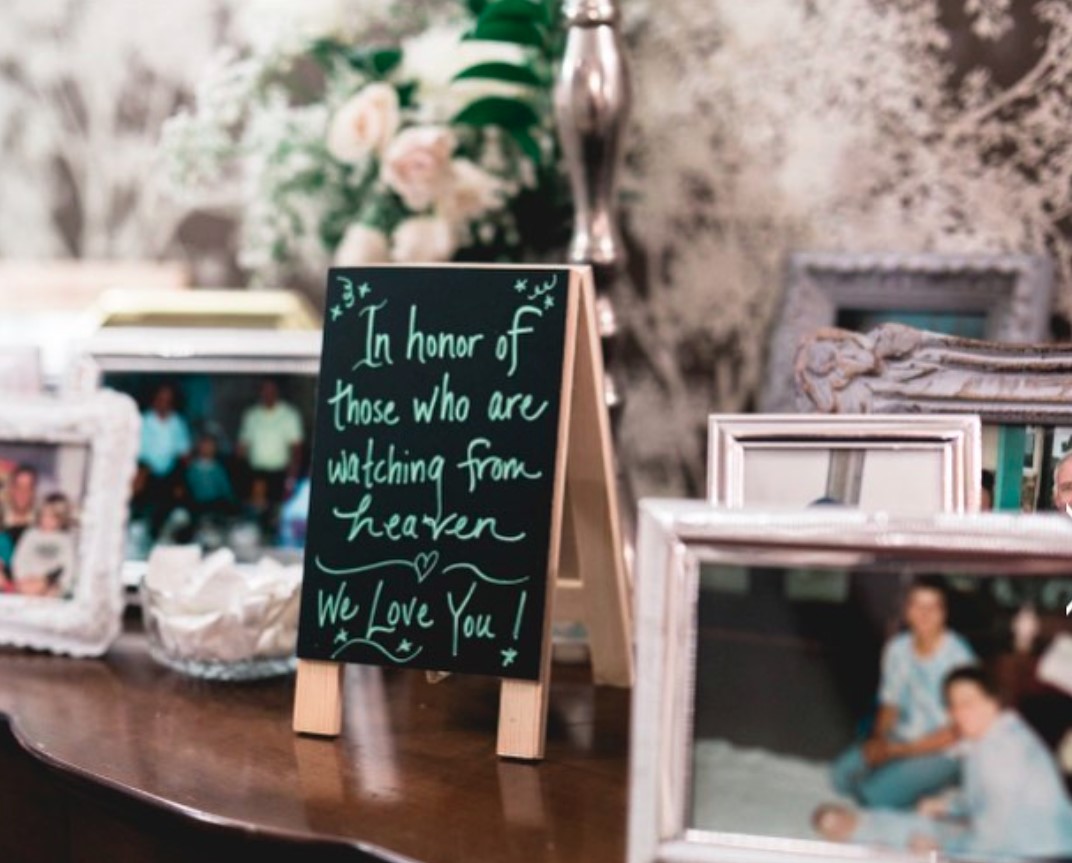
363, 290
548, 302
405, 646
342, 636
336, 313
546, 288
521, 285
508, 656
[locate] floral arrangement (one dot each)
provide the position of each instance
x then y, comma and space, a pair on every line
408, 136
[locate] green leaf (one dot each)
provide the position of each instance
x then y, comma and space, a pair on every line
517, 10
386, 59
323, 51
406, 93
498, 111
508, 30
476, 7
526, 143
501, 72
376, 62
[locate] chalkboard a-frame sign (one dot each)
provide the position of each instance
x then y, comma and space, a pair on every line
460, 440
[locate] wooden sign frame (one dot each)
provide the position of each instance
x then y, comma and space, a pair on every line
586, 572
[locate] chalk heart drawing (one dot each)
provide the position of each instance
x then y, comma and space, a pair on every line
424, 564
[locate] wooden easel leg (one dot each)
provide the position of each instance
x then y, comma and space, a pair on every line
523, 708
318, 698
592, 518
605, 589
523, 717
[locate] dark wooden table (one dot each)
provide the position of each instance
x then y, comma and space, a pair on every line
118, 759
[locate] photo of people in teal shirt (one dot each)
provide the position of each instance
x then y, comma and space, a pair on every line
221, 460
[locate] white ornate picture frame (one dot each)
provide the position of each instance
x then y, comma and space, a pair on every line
87, 620
677, 540
1012, 293
901, 464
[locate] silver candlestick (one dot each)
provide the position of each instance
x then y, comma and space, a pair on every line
592, 102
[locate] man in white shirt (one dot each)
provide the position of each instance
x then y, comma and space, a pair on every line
1062, 483
270, 440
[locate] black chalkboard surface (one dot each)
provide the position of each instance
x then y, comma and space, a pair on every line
435, 455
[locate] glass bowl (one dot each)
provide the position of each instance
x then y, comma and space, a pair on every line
218, 645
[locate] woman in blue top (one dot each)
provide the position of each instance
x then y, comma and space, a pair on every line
908, 753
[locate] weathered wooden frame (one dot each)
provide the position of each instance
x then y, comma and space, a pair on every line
895, 369
957, 438
107, 423
675, 537
1014, 291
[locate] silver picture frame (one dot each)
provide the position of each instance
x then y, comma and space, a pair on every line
902, 464
1010, 294
101, 430
212, 353
676, 540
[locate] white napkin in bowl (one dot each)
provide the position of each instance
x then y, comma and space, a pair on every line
210, 608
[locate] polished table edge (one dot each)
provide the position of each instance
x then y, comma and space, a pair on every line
72, 774
116, 739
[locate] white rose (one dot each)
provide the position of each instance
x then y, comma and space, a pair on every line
423, 239
361, 245
470, 193
417, 165
364, 124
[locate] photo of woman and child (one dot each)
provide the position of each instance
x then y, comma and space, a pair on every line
947, 766
920, 720
37, 530
222, 460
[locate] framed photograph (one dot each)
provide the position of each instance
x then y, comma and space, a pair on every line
1022, 393
919, 716
66, 466
913, 465
997, 297
223, 453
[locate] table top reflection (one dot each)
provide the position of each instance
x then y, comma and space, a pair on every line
413, 775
